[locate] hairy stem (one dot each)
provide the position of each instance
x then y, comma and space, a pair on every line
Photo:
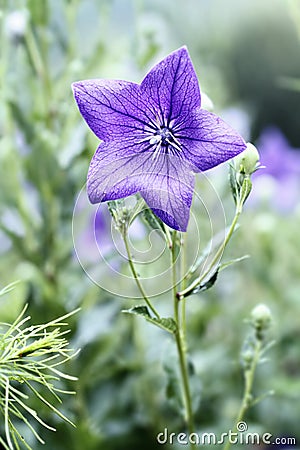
181, 346
183, 256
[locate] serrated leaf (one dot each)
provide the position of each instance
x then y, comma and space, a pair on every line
166, 323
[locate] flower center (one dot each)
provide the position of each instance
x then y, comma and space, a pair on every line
164, 141
165, 135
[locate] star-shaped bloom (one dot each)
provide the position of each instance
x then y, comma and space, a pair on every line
155, 136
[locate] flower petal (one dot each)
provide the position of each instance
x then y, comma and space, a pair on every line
207, 140
172, 87
113, 108
166, 183
169, 192
171, 200
111, 171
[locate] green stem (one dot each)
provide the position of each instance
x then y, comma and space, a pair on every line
217, 256
185, 382
247, 397
168, 236
183, 284
136, 276
181, 347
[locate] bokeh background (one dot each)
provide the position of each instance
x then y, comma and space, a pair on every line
247, 57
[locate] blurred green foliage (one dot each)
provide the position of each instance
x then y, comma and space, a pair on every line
240, 51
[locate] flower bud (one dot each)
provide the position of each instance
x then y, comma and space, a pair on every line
247, 162
261, 317
16, 24
247, 357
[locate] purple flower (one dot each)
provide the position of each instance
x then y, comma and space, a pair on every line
155, 137
279, 181
281, 160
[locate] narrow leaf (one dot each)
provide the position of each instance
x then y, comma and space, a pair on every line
233, 182
152, 220
137, 209
245, 190
204, 286
232, 261
166, 323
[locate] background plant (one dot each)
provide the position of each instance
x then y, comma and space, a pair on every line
30, 362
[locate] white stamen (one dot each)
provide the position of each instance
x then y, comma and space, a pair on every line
155, 139
162, 137
174, 144
157, 150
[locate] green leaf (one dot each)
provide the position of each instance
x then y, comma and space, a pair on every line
210, 248
31, 355
232, 261
201, 258
233, 182
166, 323
204, 286
245, 190
137, 209
140, 310
152, 220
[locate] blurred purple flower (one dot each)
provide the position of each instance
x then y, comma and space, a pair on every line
94, 238
156, 136
93, 242
280, 159
279, 181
